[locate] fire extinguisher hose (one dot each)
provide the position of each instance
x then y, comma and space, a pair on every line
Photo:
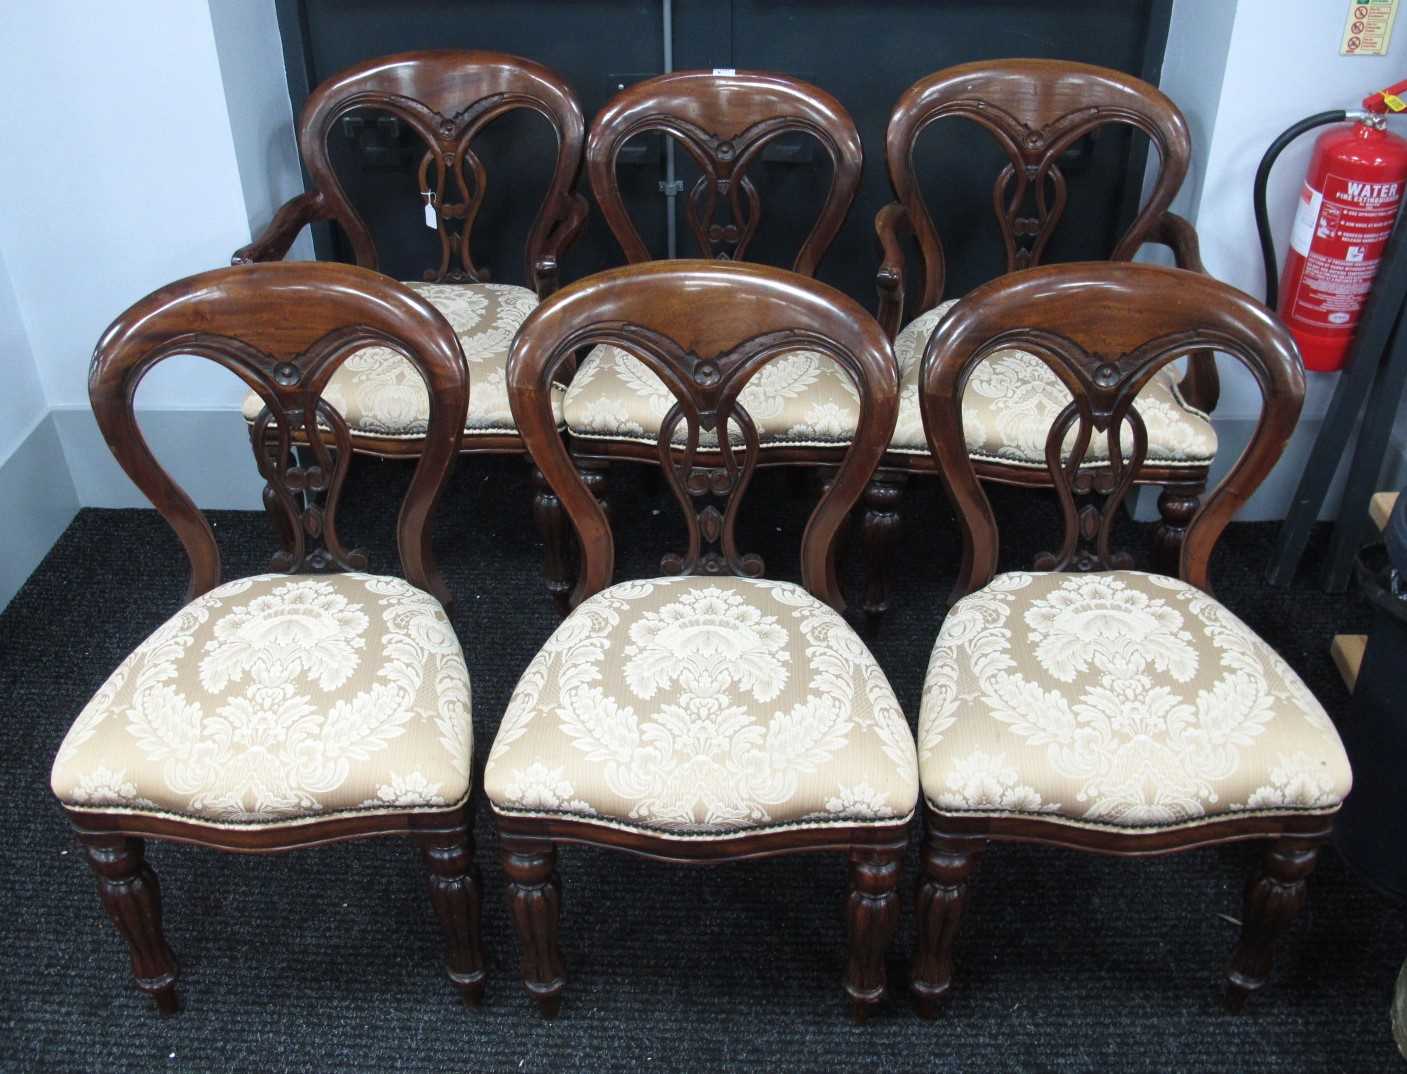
1267, 241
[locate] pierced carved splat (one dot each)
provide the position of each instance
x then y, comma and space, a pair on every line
724, 122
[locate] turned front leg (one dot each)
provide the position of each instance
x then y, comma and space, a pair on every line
1274, 898
454, 892
556, 532
948, 866
534, 901
1177, 504
131, 895
873, 915
880, 533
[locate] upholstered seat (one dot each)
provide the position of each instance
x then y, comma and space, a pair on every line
804, 399
280, 698
1013, 398
379, 394
702, 706
1119, 698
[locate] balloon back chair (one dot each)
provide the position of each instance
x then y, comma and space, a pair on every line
298, 707
726, 123
1090, 706
1037, 111
447, 97
708, 715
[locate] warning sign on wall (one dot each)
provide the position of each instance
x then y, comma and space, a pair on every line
1369, 28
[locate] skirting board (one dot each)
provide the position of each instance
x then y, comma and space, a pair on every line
40, 502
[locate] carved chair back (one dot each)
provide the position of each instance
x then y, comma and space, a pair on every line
1035, 110
725, 122
704, 328
447, 96
1104, 329
284, 328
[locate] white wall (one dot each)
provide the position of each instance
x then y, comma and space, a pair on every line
1243, 71
22, 402
132, 182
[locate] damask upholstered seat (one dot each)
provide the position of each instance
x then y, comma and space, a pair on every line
280, 698
379, 394
1117, 698
698, 706
805, 400
1013, 398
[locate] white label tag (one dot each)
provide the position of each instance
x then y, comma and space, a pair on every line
1368, 28
1302, 234
432, 218
725, 70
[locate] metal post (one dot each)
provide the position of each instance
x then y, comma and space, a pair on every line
671, 186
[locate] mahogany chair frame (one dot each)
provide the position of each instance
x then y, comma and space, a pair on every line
1035, 110
447, 96
705, 328
724, 122
283, 329
1105, 330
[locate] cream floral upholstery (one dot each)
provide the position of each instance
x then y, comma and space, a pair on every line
1122, 699
280, 698
1012, 399
379, 393
804, 399
696, 707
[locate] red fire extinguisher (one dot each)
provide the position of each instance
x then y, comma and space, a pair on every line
1348, 205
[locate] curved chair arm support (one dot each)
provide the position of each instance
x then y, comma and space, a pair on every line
890, 224
1200, 386
292, 217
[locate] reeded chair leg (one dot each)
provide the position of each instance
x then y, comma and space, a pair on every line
948, 866
454, 892
534, 902
1176, 504
872, 916
596, 474
1274, 898
131, 896
557, 540
880, 532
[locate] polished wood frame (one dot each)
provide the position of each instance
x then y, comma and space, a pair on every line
283, 328
1104, 330
447, 96
705, 328
1035, 110
724, 122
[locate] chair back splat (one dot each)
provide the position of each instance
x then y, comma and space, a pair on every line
1104, 329
704, 328
284, 328
725, 123
447, 97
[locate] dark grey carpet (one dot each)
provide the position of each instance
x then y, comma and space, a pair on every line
329, 959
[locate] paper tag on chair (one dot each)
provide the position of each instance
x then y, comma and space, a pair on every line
725, 70
432, 218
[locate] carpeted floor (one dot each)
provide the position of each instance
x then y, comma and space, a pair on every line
329, 959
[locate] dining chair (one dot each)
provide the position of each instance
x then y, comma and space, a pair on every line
312, 704
446, 98
708, 714
727, 124
1083, 704
1042, 114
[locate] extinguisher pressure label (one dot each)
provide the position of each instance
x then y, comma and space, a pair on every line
1340, 232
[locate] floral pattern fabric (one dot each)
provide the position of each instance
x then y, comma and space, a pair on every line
379, 393
695, 707
279, 698
1118, 698
1012, 399
800, 398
